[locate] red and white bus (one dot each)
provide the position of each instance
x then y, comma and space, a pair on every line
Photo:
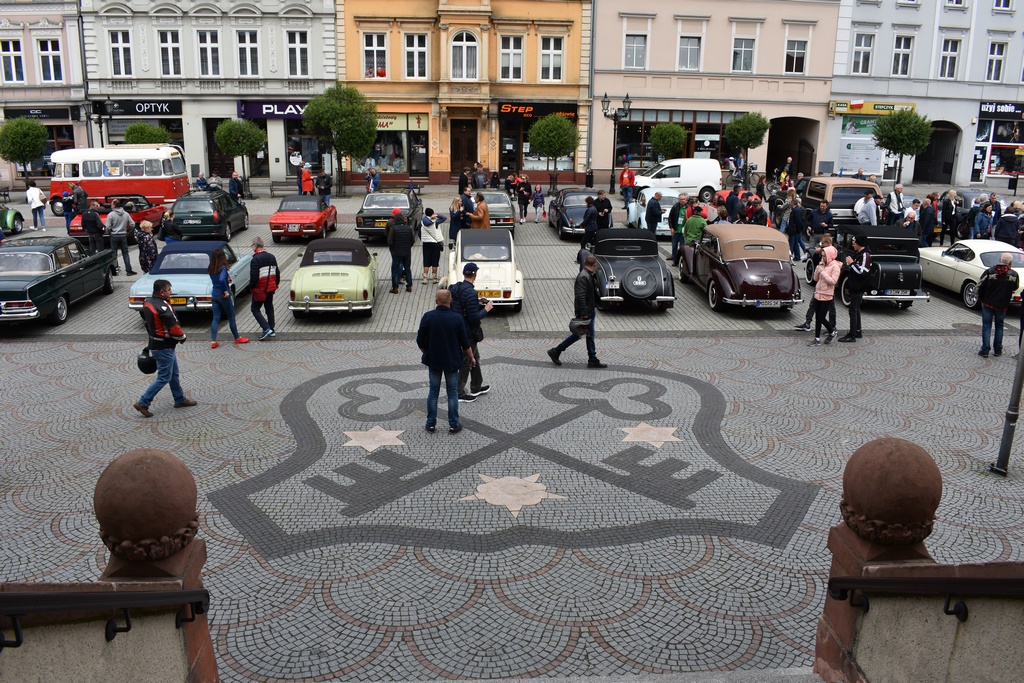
156, 171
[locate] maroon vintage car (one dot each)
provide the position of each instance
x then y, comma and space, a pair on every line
137, 206
742, 265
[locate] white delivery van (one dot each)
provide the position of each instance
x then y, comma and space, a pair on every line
702, 177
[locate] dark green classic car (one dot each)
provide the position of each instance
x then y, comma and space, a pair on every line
41, 277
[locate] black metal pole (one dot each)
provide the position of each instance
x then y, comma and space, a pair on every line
1010, 426
615, 144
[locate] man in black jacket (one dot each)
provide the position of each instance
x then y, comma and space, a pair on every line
467, 303
653, 215
585, 302
164, 334
858, 269
822, 221
93, 226
400, 240
996, 288
446, 347
733, 204
603, 205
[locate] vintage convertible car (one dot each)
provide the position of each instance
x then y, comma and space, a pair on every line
373, 216
11, 220
493, 251
565, 211
503, 215
40, 277
958, 268
185, 265
637, 209
629, 268
303, 215
895, 271
335, 275
742, 265
137, 206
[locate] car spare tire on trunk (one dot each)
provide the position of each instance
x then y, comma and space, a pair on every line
639, 282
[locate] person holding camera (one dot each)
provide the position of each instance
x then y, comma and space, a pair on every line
473, 309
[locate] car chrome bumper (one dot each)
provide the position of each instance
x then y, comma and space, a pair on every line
307, 306
505, 302
892, 297
757, 302
27, 314
191, 305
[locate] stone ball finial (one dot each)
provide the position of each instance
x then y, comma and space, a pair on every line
145, 502
891, 489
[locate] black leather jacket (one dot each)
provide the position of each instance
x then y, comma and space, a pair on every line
585, 290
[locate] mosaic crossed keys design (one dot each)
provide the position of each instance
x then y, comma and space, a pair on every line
670, 481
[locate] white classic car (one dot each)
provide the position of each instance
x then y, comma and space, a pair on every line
637, 209
959, 267
493, 251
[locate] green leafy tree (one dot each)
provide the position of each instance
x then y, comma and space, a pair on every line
668, 139
903, 133
22, 141
240, 138
554, 136
140, 133
343, 121
747, 132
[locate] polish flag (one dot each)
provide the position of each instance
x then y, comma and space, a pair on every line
856, 104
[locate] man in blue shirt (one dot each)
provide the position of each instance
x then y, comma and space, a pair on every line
822, 221
443, 340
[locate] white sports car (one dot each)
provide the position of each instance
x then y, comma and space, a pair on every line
493, 251
637, 209
959, 267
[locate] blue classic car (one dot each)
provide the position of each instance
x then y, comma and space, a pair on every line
41, 277
184, 265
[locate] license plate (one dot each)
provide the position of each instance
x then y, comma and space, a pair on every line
191, 221
330, 297
293, 228
382, 224
490, 292
178, 301
775, 303
897, 292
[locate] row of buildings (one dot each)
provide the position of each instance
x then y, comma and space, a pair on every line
459, 81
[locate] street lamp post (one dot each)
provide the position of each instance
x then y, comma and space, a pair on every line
100, 113
616, 115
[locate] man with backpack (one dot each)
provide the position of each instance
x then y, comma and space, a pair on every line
466, 303
265, 278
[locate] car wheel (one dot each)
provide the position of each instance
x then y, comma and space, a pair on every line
298, 315
845, 294
706, 194
334, 226
18, 225
517, 307
904, 305
969, 293
227, 231
367, 313
245, 223
108, 282
60, 313
276, 238
513, 231
550, 216
57, 207
809, 271
714, 297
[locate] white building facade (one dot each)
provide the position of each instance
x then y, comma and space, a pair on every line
958, 62
190, 66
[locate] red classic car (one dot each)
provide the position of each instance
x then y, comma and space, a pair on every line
303, 215
137, 206
742, 265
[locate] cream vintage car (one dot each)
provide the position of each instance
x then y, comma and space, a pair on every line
336, 276
493, 251
958, 268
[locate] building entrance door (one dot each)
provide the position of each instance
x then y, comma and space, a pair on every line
216, 160
463, 144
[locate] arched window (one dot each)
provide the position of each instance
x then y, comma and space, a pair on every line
464, 56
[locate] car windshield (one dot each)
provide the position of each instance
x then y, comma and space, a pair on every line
300, 204
193, 206
24, 263
575, 200
183, 262
648, 172
991, 258
486, 252
340, 256
494, 198
386, 201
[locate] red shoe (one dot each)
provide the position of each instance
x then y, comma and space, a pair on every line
242, 340
214, 345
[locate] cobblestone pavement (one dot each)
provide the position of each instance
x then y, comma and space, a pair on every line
668, 514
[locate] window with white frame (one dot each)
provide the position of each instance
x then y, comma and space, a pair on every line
14, 67
796, 56
511, 55
170, 52
636, 52
375, 56
298, 53
996, 55
415, 55
863, 45
209, 52
947, 60
51, 69
551, 58
464, 56
689, 53
120, 53
954, 3
901, 51
248, 53
1002, 4
743, 54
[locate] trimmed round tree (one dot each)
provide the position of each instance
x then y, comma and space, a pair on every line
344, 122
903, 133
22, 141
747, 132
140, 133
668, 140
554, 136
240, 138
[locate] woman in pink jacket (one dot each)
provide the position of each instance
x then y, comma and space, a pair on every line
826, 275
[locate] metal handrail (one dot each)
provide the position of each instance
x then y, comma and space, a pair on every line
16, 605
843, 587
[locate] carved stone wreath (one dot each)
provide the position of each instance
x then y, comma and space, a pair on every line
149, 549
885, 533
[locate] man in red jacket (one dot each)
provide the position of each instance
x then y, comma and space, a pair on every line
265, 278
164, 334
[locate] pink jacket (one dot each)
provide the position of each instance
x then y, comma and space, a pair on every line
826, 275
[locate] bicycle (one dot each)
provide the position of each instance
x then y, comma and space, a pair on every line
746, 177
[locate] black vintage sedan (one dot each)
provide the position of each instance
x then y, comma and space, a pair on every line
629, 268
565, 212
895, 274
373, 216
41, 277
